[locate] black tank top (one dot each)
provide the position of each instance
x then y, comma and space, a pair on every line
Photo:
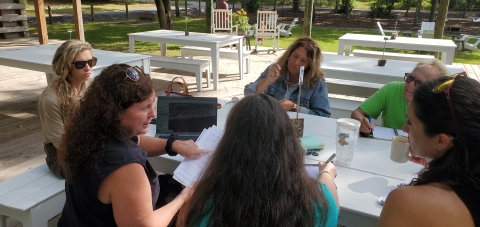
82, 207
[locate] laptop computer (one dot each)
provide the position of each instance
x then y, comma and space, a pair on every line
185, 116
381, 29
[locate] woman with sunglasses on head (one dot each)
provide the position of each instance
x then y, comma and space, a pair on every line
281, 79
392, 99
72, 64
443, 127
109, 180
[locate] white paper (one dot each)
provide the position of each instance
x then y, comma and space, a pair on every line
191, 169
386, 133
300, 77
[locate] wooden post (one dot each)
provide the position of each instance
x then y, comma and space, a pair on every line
50, 19
307, 18
126, 8
41, 22
77, 17
91, 12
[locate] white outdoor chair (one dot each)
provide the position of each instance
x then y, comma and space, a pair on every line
426, 26
428, 34
464, 42
266, 27
287, 33
222, 22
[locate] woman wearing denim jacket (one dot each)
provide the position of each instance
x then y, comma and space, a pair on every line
280, 80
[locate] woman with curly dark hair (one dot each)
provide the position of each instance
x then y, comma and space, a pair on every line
280, 80
256, 176
443, 129
109, 179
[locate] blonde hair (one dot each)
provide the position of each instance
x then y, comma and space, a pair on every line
62, 65
436, 64
313, 73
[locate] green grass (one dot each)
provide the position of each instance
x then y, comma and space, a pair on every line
113, 36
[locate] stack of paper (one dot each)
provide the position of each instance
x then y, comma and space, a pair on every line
191, 169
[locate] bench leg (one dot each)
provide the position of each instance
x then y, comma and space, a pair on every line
199, 77
3, 221
209, 76
247, 64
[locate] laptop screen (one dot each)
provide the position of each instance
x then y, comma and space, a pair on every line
185, 115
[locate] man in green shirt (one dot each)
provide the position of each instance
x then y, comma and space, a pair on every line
392, 99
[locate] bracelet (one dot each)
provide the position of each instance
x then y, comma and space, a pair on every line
168, 147
325, 171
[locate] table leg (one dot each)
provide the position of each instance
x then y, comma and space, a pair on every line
240, 57
131, 43
215, 62
347, 50
163, 49
341, 47
447, 57
146, 65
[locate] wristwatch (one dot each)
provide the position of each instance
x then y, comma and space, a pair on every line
294, 108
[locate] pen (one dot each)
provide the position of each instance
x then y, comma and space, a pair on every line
370, 122
331, 158
395, 132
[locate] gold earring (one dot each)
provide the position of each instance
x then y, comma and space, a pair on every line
438, 147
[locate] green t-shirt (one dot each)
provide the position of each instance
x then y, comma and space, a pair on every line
389, 102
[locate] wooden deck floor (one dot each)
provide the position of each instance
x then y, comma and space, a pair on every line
21, 142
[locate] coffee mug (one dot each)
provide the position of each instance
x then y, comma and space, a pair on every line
399, 151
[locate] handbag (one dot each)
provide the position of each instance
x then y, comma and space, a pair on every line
182, 84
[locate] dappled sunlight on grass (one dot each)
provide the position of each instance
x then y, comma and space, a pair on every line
113, 36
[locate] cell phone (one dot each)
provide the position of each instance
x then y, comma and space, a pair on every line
300, 77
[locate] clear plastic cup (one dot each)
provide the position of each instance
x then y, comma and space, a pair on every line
346, 139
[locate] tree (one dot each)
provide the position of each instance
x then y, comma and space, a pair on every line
432, 11
307, 18
441, 18
177, 9
296, 5
209, 15
417, 12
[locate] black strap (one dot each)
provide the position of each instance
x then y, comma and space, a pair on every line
168, 147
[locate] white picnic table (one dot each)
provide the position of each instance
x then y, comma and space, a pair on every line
446, 47
39, 58
359, 185
212, 41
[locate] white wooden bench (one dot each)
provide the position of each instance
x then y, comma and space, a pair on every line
189, 65
343, 108
352, 88
33, 197
191, 51
391, 55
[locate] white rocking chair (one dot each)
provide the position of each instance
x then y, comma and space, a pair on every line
266, 27
222, 22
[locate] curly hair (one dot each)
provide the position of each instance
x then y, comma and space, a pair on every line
459, 167
98, 117
256, 177
62, 66
437, 65
312, 73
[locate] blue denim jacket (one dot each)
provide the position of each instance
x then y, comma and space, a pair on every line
313, 101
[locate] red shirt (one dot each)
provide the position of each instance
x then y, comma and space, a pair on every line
222, 4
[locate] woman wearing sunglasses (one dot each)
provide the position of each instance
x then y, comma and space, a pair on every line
444, 127
109, 180
72, 63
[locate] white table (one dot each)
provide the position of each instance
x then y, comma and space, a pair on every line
370, 175
39, 58
366, 69
212, 41
447, 47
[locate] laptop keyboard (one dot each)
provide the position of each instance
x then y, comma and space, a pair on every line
181, 137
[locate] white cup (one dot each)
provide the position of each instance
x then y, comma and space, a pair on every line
399, 151
346, 139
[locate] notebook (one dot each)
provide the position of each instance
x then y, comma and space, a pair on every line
381, 29
185, 116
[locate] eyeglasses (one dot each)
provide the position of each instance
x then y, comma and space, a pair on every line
445, 87
411, 78
132, 73
81, 64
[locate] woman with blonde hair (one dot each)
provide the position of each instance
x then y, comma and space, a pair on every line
72, 63
280, 80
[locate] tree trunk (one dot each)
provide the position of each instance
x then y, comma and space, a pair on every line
466, 6
347, 8
161, 14
209, 15
433, 10
452, 4
275, 5
200, 6
296, 5
441, 18
335, 10
377, 4
177, 9
313, 12
417, 12
168, 14
307, 18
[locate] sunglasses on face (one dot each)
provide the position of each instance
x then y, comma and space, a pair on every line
411, 78
132, 73
445, 88
81, 64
